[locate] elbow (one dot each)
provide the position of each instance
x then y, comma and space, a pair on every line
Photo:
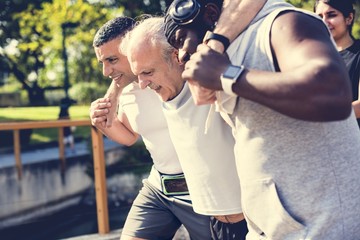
338, 114
130, 141
335, 102
336, 110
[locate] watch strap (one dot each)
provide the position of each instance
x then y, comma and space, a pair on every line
224, 40
228, 80
226, 85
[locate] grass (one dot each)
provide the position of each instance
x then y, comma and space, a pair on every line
18, 114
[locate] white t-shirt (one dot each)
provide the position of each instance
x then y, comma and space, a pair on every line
144, 111
207, 160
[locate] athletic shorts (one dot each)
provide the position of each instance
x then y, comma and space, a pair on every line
228, 231
156, 216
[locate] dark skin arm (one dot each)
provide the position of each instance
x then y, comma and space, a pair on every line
312, 83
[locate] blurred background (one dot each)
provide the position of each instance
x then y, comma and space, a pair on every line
47, 63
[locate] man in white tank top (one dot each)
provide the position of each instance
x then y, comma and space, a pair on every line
297, 146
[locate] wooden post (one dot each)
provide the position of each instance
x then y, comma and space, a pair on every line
61, 147
17, 152
100, 181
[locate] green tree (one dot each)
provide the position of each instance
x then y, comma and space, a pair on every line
35, 55
9, 32
135, 8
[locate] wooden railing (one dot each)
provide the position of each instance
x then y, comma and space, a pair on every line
98, 158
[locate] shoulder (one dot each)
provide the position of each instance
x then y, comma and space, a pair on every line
299, 22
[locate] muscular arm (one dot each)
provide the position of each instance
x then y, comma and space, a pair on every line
311, 85
235, 17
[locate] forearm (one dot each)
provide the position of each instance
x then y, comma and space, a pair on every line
120, 133
303, 97
234, 19
113, 93
119, 130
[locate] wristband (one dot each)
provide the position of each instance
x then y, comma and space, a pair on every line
224, 40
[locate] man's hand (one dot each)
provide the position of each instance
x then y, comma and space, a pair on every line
98, 112
204, 69
200, 94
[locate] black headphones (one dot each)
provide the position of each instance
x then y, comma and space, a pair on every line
184, 11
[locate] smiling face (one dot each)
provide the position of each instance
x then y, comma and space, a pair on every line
114, 64
335, 20
163, 76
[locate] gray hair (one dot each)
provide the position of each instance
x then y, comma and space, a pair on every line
149, 30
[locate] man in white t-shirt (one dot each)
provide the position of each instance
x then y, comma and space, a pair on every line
206, 154
163, 204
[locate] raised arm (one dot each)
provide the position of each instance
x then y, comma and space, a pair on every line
113, 93
236, 15
120, 130
234, 19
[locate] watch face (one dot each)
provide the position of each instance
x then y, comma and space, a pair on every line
232, 71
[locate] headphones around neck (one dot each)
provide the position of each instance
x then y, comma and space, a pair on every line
184, 11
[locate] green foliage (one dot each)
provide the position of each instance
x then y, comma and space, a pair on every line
15, 114
304, 4
85, 93
34, 53
32, 34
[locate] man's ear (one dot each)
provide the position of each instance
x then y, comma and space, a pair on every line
211, 14
175, 56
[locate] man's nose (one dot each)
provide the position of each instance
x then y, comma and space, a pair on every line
184, 56
107, 70
143, 83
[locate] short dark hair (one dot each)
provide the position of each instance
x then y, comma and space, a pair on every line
112, 29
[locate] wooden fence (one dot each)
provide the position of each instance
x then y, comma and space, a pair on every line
98, 158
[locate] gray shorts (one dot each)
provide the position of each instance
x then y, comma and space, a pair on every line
156, 216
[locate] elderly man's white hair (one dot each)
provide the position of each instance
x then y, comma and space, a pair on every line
149, 30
